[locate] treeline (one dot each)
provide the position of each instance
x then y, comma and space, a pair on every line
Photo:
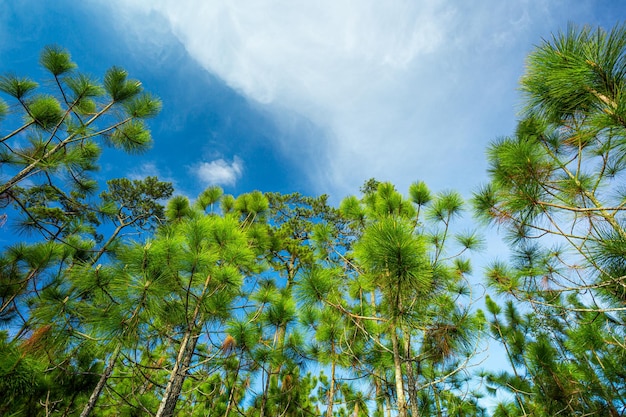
129, 300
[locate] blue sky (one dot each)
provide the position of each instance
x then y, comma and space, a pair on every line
314, 97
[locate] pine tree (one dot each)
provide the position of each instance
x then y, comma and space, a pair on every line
202, 260
555, 186
402, 283
55, 136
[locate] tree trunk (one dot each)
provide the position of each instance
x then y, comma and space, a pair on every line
178, 375
231, 394
266, 393
279, 339
410, 375
91, 403
380, 400
377, 373
93, 398
331, 390
355, 412
437, 399
397, 364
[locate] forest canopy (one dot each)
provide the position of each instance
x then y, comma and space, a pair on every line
122, 297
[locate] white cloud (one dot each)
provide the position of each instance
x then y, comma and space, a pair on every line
406, 89
219, 171
147, 169
150, 169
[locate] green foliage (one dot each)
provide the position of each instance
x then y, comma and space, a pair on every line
406, 277
56, 60
419, 193
45, 111
579, 72
118, 86
552, 188
209, 197
137, 202
4, 109
143, 106
178, 208
17, 87
68, 112
58, 302
133, 137
19, 377
83, 88
396, 258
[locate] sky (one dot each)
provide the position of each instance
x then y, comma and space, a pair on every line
314, 97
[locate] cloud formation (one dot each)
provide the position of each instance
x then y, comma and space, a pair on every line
219, 172
147, 169
406, 90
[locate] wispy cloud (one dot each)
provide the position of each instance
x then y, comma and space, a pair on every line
405, 89
147, 169
150, 169
219, 171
